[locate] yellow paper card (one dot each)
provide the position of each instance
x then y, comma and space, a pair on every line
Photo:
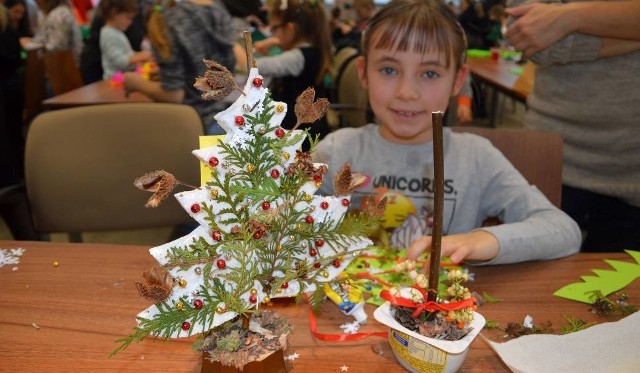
205, 142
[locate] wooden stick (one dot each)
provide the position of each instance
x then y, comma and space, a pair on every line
248, 46
438, 206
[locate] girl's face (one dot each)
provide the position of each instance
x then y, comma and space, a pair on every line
285, 32
122, 21
405, 88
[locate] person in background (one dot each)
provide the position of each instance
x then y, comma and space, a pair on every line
59, 30
587, 55
473, 19
82, 9
412, 63
498, 18
348, 34
182, 35
11, 103
91, 57
117, 54
18, 18
303, 32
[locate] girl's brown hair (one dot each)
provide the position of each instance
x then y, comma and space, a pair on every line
157, 29
109, 8
425, 25
309, 17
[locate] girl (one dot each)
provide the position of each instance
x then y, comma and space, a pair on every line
413, 61
59, 30
182, 35
303, 32
117, 53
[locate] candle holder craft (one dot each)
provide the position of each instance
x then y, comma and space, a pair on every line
430, 331
262, 233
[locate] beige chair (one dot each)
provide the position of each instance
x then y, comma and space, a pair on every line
536, 154
81, 163
348, 99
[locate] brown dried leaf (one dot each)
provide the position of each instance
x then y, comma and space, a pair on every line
218, 82
308, 111
160, 182
157, 284
346, 181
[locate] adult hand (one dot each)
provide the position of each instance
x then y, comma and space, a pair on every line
538, 26
476, 245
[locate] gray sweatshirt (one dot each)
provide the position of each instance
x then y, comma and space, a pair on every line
479, 183
594, 103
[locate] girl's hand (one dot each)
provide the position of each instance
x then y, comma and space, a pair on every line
477, 245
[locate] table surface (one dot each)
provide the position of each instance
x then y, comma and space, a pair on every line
500, 75
67, 317
100, 92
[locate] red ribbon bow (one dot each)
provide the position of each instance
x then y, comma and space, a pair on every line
428, 306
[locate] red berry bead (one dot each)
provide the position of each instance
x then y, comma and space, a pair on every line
284, 285
309, 219
280, 133
257, 235
213, 161
336, 263
324, 205
216, 235
186, 326
197, 304
345, 202
266, 205
253, 298
195, 208
313, 252
319, 242
239, 120
275, 173
317, 264
221, 264
257, 82
317, 178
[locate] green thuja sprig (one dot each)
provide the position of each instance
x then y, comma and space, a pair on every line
574, 325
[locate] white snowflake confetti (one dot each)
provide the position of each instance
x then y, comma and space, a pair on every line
350, 328
528, 322
10, 256
292, 357
344, 368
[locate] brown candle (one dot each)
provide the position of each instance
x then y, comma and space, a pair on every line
438, 206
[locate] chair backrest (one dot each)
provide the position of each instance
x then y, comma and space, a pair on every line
62, 71
34, 85
81, 163
536, 154
351, 98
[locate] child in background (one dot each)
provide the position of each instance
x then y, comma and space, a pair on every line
117, 53
413, 61
303, 32
347, 34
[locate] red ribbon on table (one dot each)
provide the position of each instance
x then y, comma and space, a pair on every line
428, 306
313, 327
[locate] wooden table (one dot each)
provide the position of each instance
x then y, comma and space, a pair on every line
499, 75
100, 92
67, 317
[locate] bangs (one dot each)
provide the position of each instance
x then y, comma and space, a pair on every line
421, 31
